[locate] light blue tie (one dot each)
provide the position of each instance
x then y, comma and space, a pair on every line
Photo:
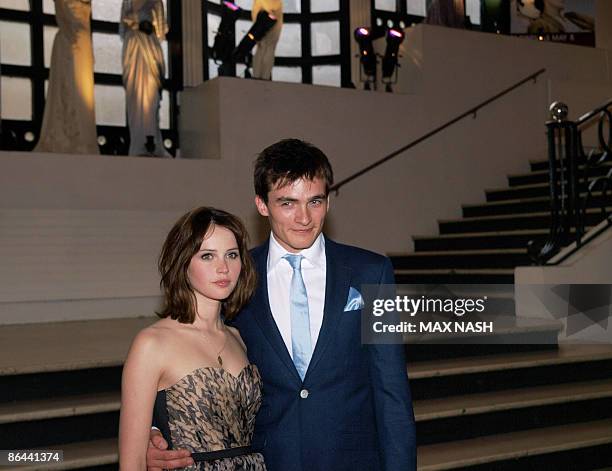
301, 344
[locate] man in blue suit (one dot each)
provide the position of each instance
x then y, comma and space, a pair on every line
330, 402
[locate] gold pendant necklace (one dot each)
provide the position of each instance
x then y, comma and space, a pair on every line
219, 359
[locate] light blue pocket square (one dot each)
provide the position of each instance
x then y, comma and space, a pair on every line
354, 300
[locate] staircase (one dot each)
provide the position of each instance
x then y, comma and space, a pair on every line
547, 410
491, 239
505, 407
55, 397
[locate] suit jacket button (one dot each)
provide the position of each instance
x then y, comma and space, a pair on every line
304, 393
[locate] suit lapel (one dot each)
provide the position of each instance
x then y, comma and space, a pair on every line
263, 313
337, 282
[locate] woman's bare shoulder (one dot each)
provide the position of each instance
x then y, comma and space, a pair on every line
154, 338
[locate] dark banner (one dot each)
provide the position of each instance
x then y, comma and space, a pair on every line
486, 314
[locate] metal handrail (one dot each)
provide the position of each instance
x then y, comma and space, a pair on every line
583, 242
569, 169
472, 111
585, 117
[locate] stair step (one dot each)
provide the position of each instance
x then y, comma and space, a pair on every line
536, 220
473, 373
52, 431
475, 240
458, 276
511, 414
67, 406
39, 348
525, 205
514, 446
431, 409
541, 176
535, 190
518, 192
36, 386
81, 455
542, 164
486, 258
538, 164
564, 355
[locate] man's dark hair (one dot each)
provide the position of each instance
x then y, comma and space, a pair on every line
289, 160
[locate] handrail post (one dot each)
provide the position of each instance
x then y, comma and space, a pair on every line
563, 140
573, 181
568, 209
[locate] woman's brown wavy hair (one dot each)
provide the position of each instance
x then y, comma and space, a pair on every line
182, 243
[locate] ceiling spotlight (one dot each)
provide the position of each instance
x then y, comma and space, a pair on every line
225, 38
395, 37
29, 136
168, 143
263, 24
102, 140
367, 57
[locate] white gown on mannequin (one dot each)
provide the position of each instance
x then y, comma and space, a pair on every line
143, 71
69, 122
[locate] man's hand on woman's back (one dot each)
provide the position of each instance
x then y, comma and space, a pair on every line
159, 457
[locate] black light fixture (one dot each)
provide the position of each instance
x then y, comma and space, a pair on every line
225, 38
263, 23
367, 57
395, 37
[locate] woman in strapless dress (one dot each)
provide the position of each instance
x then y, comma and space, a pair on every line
188, 373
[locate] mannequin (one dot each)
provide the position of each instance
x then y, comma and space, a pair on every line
69, 122
143, 27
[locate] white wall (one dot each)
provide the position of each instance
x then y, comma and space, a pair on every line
62, 263
603, 24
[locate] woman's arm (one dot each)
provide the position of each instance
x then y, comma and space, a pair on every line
141, 374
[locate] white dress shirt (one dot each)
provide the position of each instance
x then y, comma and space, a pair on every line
314, 268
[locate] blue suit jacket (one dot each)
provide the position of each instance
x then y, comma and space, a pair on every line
358, 411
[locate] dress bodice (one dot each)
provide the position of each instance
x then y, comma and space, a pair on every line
135, 11
73, 16
210, 409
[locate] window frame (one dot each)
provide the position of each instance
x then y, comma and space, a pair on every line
305, 18
39, 74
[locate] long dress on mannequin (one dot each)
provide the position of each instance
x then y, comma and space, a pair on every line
449, 13
263, 59
69, 121
143, 71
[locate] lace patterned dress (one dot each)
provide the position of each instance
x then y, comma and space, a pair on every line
210, 409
